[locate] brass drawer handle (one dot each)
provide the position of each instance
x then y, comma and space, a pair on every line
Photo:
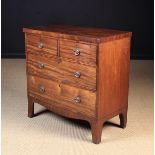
77, 99
40, 45
41, 65
77, 74
77, 52
42, 89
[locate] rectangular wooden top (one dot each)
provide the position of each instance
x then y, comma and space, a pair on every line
94, 35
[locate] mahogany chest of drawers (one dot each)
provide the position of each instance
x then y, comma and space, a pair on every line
81, 73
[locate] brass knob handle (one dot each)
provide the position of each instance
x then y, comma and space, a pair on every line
41, 65
77, 99
77, 52
77, 74
40, 45
42, 89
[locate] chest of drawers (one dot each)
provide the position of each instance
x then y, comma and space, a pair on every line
81, 73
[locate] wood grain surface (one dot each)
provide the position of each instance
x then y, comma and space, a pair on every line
87, 54
64, 72
49, 44
63, 95
113, 76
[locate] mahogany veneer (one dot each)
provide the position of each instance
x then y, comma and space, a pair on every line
82, 73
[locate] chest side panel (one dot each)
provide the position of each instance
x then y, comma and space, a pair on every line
113, 76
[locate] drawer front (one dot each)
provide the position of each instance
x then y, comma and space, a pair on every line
68, 73
78, 52
71, 98
49, 44
32, 40
41, 44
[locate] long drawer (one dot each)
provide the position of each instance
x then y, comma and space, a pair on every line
73, 74
65, 96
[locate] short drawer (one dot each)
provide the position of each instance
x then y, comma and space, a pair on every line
71, 98
39, 43
73, 74
81, 53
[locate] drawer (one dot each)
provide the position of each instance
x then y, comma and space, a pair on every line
71, 98
78, 52
38, 43
73, 74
